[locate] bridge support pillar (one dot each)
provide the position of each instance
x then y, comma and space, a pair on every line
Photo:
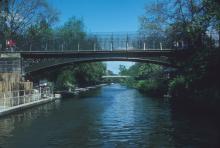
11, 71
10, 63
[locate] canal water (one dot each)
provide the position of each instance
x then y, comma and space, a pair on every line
111, 116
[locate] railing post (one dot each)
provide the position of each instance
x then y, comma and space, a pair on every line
46, 47
127, 42
18, 98
62, 47
177, 44
103, 45
4, 101
30, 47
12, 101
29, 98
40, 93
46, 93
183, 46
24, 98
153, 45
94, 46
78, 47
52, 93
112, 42
144, 46
161, 46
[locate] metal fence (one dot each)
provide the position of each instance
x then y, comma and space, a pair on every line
112, 41
94, 42
16, 98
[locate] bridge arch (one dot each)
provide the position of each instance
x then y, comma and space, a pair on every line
38, 67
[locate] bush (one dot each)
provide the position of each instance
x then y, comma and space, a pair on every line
177, 87
151, 87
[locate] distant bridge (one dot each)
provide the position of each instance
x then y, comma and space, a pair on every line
115, 76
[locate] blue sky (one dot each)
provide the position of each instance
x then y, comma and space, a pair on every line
104, 16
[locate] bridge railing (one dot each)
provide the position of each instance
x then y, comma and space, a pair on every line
109, 42
93, 42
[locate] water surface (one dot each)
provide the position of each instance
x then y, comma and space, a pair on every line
111, 116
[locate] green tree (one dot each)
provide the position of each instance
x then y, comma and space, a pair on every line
21, 14
89, 74
72, 34
122, 70
66, 80
196, 24
148, 78
39, 36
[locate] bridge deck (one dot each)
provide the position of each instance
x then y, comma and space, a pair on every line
98, 53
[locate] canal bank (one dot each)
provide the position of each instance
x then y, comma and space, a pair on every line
10, 110
16, 93
77, 91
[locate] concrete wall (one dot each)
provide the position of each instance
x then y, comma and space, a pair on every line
10, 73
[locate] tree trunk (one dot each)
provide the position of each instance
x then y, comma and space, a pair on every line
6, 6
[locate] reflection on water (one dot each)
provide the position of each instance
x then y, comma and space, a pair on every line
112, 116
23, 119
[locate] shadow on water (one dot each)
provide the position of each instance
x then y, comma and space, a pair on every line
200, 126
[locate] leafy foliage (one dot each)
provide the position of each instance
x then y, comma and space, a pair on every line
148, 78
177, 86
89, 74
195, 24
65, 80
